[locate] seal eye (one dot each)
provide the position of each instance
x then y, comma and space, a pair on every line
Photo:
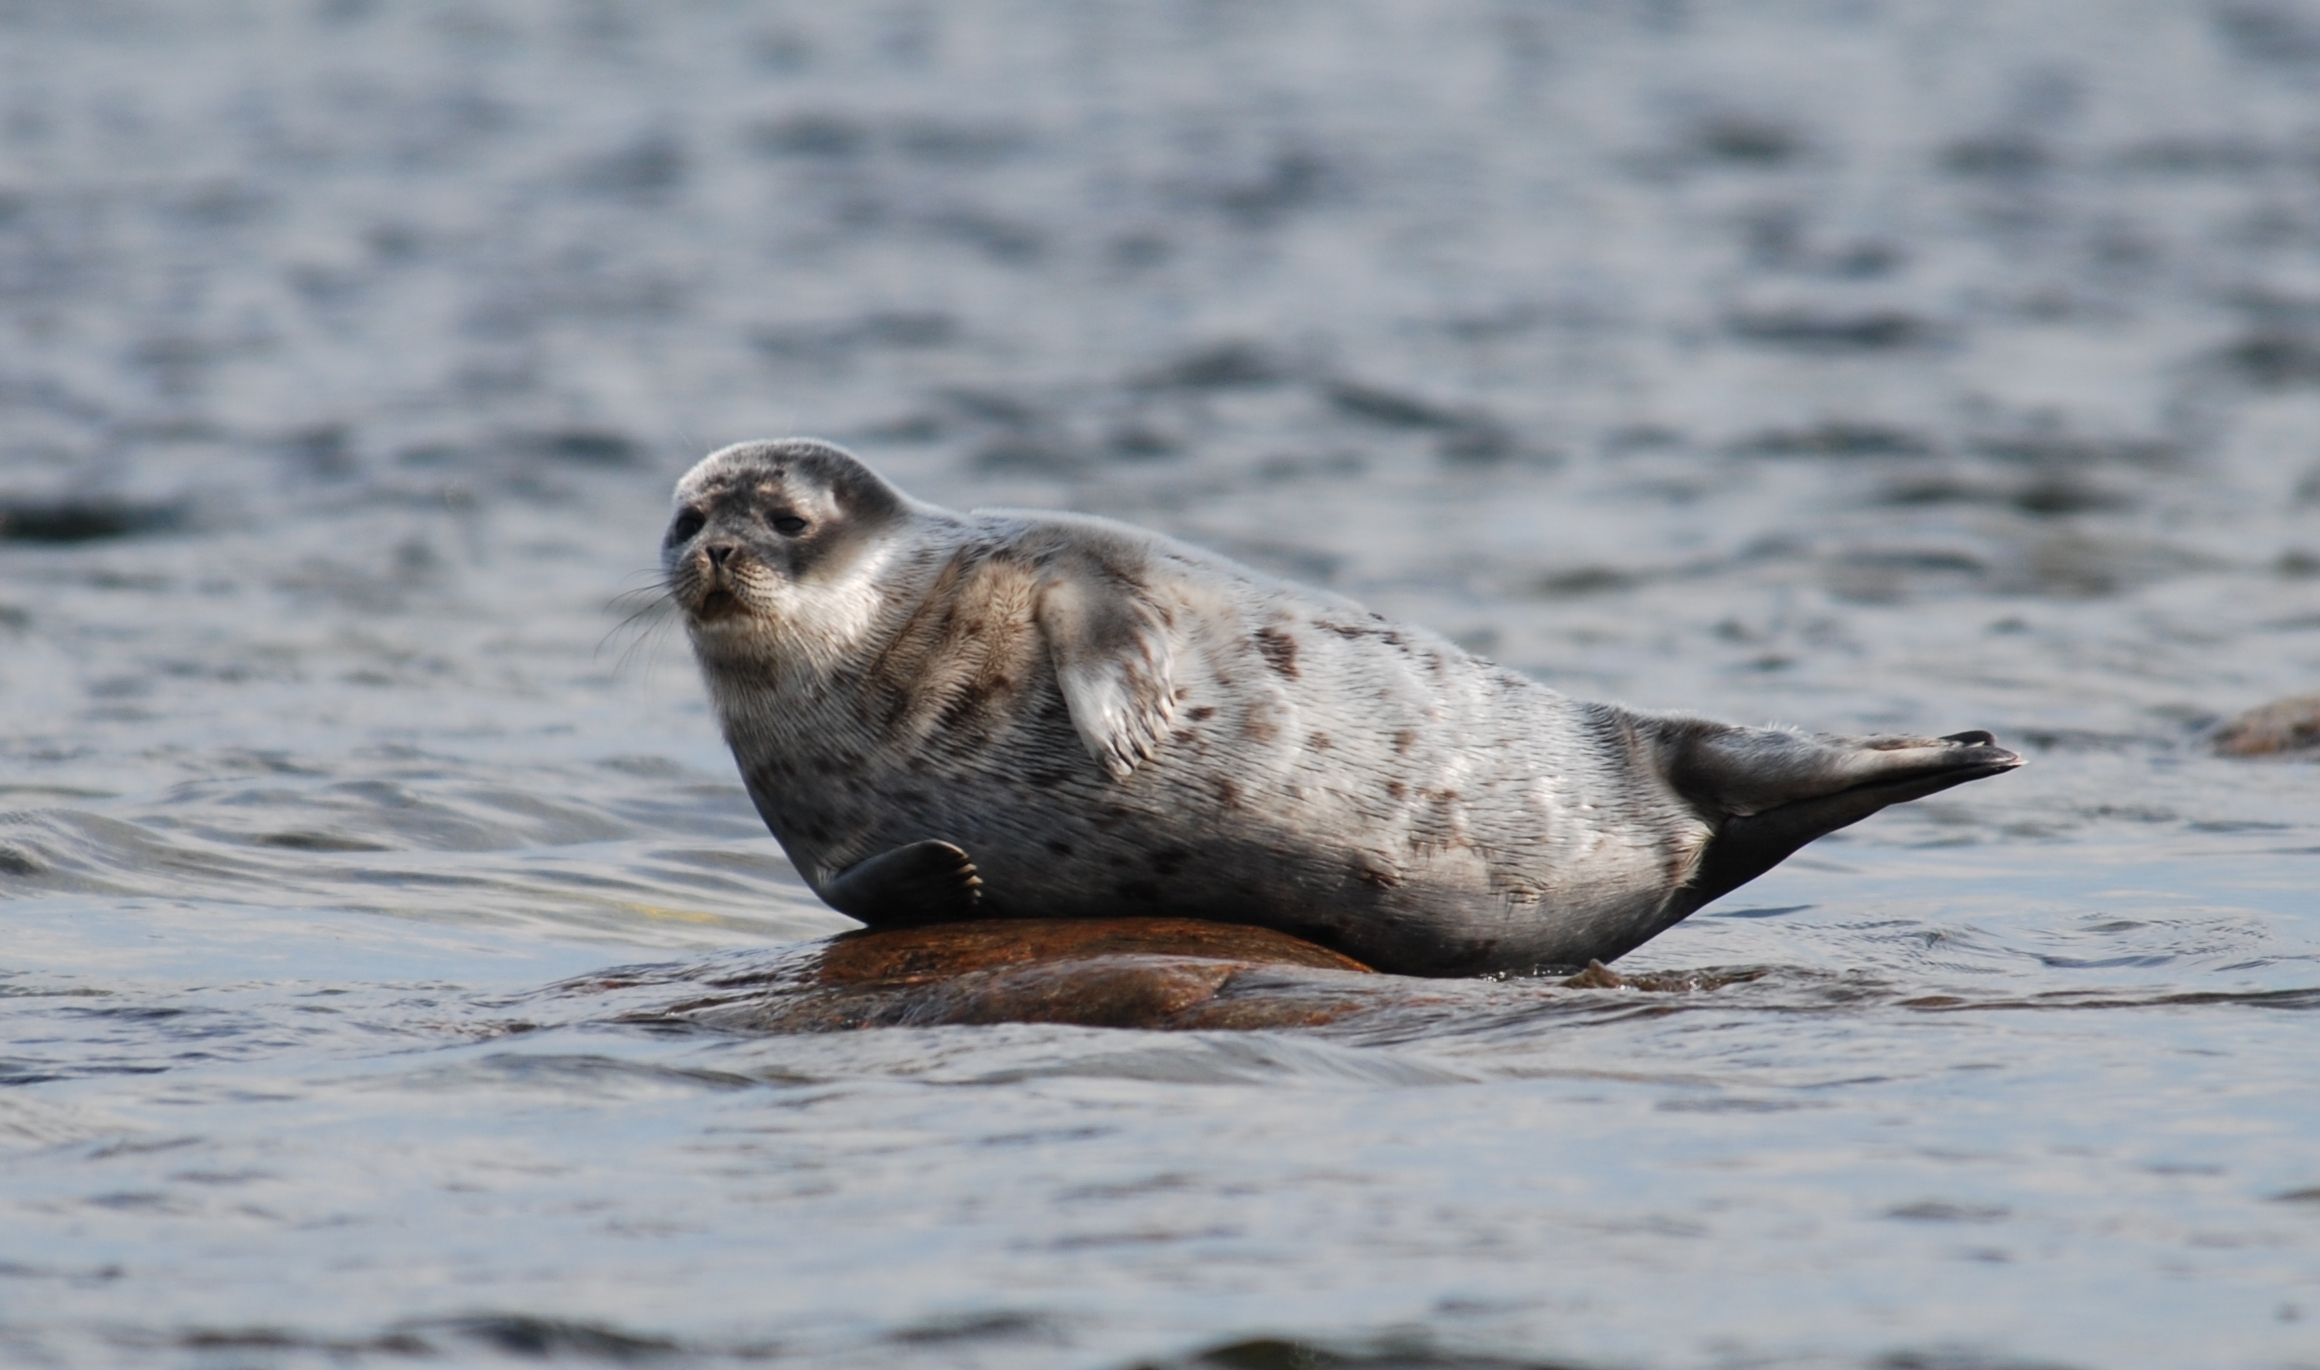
788, 525
687, 524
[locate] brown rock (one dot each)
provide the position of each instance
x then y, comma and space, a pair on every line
909, 954
1149, 973
2284, 725
1165, 973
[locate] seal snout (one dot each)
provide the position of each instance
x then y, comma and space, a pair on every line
713, 591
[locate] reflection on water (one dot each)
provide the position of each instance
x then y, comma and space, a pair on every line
1866, 368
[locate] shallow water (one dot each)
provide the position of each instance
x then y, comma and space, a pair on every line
1867, 367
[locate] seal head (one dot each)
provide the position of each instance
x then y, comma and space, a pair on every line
766, 534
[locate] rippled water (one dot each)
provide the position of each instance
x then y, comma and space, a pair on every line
1863, 366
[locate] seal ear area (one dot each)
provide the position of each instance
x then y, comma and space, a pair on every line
806, 470
861, 494
1115, 660
924, 882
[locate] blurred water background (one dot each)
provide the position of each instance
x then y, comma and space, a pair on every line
1858, 365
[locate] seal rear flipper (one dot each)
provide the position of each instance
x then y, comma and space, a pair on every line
925, 882
1746, 847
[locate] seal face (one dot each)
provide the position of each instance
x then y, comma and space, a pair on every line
1017, 715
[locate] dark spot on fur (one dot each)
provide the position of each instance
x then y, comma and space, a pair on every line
1170, 861
1201, 714
1397, 789
1138, 891
972, 698
1372, 876
1227, 793
1060, 847
1280, 651
1348, 631
1321, 742
1404, 740
1258, 730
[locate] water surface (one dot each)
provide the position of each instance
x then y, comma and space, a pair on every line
1858, 366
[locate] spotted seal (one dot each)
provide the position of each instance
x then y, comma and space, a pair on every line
1005, 714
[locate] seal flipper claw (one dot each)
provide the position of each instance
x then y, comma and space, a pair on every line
925, 882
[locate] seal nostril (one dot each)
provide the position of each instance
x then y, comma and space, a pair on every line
718, 553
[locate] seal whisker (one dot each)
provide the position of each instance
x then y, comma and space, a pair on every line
651, 636
647, 614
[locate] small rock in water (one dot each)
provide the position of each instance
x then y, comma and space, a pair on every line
1596, 976
1600, 976
2284, 725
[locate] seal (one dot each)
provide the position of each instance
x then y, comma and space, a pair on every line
1006, 714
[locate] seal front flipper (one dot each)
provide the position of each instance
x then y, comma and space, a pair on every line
925, 882
1113, 660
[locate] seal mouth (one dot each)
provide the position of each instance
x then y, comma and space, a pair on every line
717, 604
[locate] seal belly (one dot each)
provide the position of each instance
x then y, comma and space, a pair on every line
1382, 835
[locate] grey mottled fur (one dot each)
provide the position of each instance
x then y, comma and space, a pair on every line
1099, 720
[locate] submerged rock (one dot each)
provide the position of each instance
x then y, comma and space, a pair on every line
1156, 974
2284, 725
1164, 973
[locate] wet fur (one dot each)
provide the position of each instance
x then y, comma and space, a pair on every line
1106, 721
